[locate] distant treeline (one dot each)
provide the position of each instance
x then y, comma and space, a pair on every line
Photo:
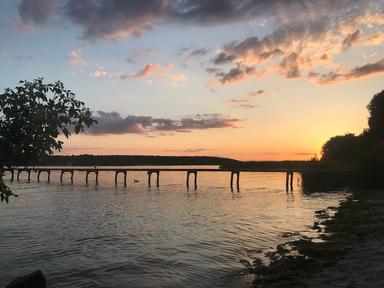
286, 165
132, 160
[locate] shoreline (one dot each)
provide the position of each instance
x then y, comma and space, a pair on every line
349, 251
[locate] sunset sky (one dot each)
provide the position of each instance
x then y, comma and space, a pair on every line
248, 79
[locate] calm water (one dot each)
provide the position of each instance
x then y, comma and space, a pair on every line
135, 236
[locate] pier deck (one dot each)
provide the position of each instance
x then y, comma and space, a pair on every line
157, 170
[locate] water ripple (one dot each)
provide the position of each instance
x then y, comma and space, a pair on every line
106, 236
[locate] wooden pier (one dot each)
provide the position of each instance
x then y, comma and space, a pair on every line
88, 171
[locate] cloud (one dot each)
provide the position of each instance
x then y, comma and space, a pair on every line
212, 70
115, 19
241, 103
99, 73
236, 74
303, 36
299, 45
113, 123
195, 53
139, 54
365, 70
351, 39
290, 66
256, 93
148, 70
190, 150
223, 58
76, 59
197, 150
199, 52
35, 11
177, 78
153, 69
289, 44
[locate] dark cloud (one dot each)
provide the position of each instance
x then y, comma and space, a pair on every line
257, 93
235, 74
290, 66
282, 46
199, 52
138, 55
182, 50
223, 58
355, 73
212, 70
277, 43
270, 54
195, 53
35, 11
114, 19
351, 39
113, 123
224, 11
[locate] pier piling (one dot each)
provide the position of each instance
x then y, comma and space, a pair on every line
117, 172
237, 173
157, 172
289, 181
41, 171
96, 174
10, 170
194, 172
71, 171
23, 170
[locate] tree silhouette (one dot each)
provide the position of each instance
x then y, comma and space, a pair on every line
32, 116
376, 118
345, 149
364, 153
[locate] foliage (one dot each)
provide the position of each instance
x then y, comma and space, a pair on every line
364, 152
376, 119
5, 192
342, 149
32, 117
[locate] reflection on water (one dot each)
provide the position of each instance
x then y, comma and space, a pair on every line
169, 236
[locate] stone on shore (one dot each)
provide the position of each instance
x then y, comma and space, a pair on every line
33, 280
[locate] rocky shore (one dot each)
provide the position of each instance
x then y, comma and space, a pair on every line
349, 251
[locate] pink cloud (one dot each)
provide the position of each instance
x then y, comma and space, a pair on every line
147, 71
76, 59
376, 68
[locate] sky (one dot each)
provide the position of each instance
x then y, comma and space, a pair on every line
246, 79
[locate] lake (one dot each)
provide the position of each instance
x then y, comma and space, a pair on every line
105, 236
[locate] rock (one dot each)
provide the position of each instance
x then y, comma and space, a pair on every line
33, 280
